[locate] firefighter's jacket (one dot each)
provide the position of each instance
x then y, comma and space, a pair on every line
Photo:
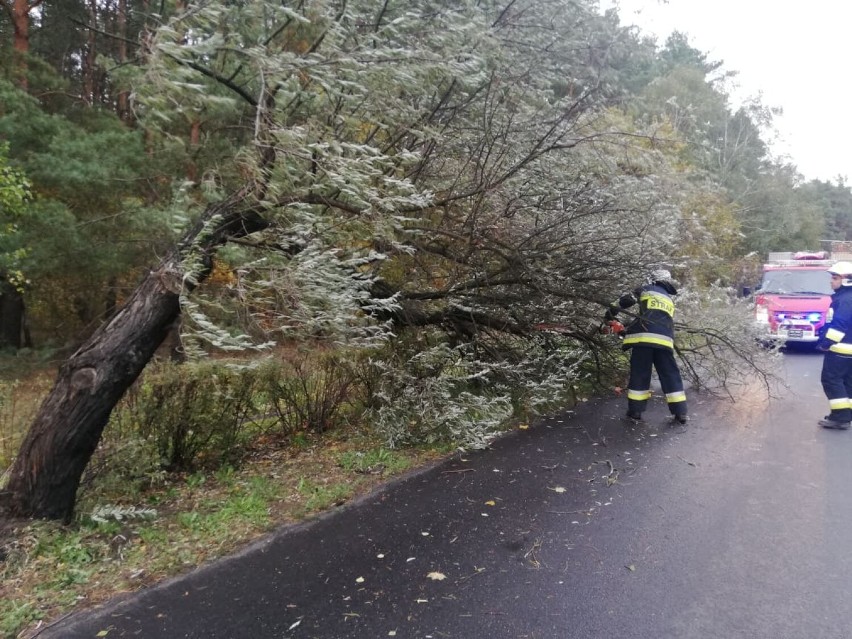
654, 324
837, 333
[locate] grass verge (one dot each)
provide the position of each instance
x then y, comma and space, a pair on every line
49, 570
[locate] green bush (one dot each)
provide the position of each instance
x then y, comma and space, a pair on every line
427, 399
310, 391
194, 413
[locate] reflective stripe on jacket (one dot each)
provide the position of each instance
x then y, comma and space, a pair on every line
837, 335
654, 324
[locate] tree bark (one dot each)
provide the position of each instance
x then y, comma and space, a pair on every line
123, 105
90, 57
19, 12
46, 474
11, 316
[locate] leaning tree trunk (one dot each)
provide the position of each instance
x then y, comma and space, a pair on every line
66, 431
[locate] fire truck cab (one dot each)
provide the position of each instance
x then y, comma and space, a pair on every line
794, 295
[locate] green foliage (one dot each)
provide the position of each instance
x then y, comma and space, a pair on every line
242, 506
125, 467
834, 201
193, 413
308, 391
320, 497
14, 195
16, 614
427, 399
373, 461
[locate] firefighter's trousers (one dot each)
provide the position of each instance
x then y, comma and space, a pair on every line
642, 359
836, 381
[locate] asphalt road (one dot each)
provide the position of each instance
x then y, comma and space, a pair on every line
736, 525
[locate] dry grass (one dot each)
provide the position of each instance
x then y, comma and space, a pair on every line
19, 401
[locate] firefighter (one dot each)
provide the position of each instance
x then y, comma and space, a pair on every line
650, 339
836, 341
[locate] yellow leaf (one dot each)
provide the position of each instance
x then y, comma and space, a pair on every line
558, 489
360, 580
523, 426
437, 576
490, 502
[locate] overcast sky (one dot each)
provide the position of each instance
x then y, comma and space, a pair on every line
794, 54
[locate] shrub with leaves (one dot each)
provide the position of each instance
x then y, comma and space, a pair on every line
719, 344
309, 391
428, 400
193, 413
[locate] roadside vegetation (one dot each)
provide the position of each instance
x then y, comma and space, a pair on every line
198, 461
200, 458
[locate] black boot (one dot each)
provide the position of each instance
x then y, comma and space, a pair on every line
831, 423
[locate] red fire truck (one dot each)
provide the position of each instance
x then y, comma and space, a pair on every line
794, 295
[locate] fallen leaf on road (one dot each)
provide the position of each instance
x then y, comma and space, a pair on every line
360, 580
631, 568
294, 625
437, 576
490, 502
558, 489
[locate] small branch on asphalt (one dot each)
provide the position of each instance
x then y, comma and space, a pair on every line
687, 461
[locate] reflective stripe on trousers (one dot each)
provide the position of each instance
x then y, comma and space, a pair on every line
836, 381
642, 360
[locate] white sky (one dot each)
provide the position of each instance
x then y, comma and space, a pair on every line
794, 54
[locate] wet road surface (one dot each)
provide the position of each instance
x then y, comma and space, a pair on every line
736, 525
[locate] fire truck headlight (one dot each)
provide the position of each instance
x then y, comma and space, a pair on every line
813, 318
761, 315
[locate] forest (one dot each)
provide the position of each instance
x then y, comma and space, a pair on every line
410, 214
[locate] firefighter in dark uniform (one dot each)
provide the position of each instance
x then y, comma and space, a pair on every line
650, 338
836, 341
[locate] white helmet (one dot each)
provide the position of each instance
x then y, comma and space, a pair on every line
844, 270
662, 275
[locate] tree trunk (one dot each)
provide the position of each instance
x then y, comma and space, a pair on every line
21, 44
11, 316
194, 142
69, 424
66, 431
90, 57
123, 95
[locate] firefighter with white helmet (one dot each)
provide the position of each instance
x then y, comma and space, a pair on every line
650, 337
836, 341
